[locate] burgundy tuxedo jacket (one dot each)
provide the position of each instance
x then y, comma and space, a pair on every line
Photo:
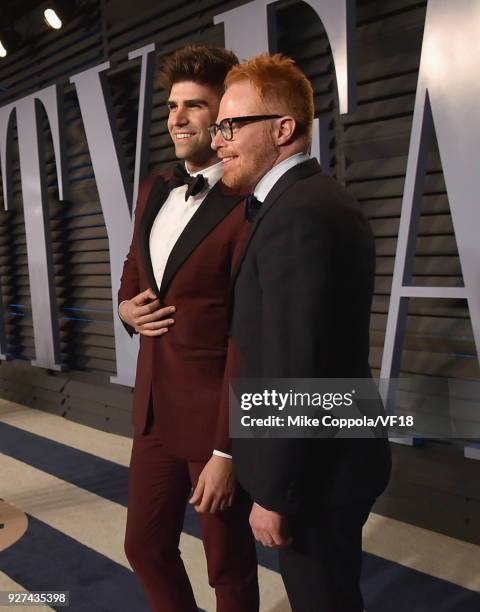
182, 372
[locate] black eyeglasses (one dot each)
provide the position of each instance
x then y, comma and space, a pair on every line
226, 125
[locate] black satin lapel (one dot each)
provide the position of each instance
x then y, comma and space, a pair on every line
290, 177
215, 207
298, 172
156, 199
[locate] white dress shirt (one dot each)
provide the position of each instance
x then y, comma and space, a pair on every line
173, 217
266, 183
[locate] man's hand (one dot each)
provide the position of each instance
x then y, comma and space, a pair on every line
215, 487
142, 313
269, 527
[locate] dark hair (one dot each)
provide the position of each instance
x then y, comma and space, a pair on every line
203, 64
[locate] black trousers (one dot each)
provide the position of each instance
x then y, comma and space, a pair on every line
321, 569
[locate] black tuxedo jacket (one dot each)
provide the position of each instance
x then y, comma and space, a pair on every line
302, 293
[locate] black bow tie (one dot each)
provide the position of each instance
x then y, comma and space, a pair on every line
182, 177
252, 206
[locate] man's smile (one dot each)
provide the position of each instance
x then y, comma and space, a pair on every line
183, 135
228, 158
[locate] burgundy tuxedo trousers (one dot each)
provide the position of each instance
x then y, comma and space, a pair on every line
158, 490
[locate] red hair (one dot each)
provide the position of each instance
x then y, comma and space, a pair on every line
281, 86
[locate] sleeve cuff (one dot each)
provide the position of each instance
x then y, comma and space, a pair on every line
118, 309
220, 454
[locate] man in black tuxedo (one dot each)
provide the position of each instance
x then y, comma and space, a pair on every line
302, 297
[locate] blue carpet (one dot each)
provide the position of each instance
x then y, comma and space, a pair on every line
387, 586
46, 559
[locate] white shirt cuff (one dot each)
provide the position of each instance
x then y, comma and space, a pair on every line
220, 454
118, 309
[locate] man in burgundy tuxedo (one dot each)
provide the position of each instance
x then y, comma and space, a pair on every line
189, 228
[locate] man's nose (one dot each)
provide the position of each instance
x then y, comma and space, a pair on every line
218, 141
180, 117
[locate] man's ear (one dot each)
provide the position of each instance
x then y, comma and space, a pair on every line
285, 130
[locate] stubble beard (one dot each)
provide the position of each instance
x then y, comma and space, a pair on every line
232, 179
184, 151
249, 171
194, 154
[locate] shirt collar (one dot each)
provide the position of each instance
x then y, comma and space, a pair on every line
213, 173
268, 180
